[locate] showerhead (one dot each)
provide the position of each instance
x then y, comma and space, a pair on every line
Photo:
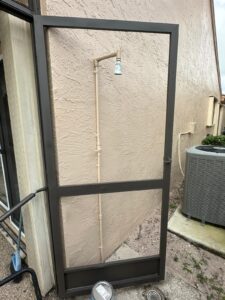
118, 67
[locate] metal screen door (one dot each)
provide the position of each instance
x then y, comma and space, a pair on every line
78, 280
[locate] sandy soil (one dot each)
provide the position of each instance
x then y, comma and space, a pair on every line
197, 267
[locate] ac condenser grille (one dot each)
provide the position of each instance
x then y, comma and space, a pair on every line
204, 193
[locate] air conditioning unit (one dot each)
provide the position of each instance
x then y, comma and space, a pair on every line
204, 190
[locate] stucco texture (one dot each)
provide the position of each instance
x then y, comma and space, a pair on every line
16, 44
132, 110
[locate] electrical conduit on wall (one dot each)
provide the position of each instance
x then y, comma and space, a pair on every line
98, 150
117, 71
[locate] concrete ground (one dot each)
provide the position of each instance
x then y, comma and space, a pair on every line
209, 236
192, 273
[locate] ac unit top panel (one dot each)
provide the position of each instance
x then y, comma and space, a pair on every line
207, 151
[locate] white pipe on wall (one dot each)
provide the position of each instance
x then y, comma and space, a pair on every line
179, 150
98, 150
98, 142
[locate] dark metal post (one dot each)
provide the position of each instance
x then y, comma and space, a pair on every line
34, 5
49, 150
171, 87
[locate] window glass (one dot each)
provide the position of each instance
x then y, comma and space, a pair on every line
3, 193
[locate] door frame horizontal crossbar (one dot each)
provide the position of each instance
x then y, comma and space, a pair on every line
109, 187
105, 24
120, 273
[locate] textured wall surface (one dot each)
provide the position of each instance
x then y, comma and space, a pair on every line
15, 38
132, 109
129, 106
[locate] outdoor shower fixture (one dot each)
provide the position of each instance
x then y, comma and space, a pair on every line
117, 71
118, 67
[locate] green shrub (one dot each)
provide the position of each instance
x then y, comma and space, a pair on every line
218, 140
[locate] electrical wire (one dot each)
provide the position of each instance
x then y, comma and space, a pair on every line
179, 150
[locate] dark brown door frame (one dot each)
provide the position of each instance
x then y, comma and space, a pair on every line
79, 280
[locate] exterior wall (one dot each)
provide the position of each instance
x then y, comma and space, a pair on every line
132, 110
127, 112
15, 37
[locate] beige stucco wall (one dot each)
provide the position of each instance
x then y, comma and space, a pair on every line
132, 109
15, 38
128, 139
